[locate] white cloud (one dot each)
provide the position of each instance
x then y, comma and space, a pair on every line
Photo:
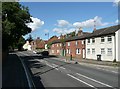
116, 2
90, 23
37, 23
117, 21
46, 31
62, 23
63, 30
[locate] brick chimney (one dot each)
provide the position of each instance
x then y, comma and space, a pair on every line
94, 26
80, 32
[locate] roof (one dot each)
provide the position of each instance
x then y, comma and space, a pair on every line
104, 31
100, 32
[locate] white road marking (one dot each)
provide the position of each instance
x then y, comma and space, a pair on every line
62, 68
94, 80
82, 81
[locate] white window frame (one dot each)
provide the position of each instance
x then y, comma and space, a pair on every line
76, 43
88, 51
102, 51
109, 51
68, 43
93, 50
93, 39
78, 51
88, 40
109, 37
102, 38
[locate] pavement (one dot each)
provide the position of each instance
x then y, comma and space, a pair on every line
91, 62
13, 74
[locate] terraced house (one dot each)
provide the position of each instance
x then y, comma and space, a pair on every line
102, 44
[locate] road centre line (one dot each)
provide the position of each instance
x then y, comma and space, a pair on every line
82, 81
94, 80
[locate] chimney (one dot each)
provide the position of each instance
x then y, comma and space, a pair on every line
94, 26
80, 32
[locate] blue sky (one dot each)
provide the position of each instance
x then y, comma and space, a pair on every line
58, 18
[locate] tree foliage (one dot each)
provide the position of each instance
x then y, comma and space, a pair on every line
14, 20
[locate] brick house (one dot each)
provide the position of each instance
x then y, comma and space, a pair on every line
75, 46
38, 44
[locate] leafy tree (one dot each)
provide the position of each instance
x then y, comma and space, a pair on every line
30, 38
14, 20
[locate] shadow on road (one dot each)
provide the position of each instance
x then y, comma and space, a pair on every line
40, 68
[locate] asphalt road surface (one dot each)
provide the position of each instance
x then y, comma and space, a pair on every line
51, 72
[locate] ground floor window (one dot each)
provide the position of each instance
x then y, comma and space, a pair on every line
103, 51
109, 51
78, 51
88, 51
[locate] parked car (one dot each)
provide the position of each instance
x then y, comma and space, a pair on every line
45, 53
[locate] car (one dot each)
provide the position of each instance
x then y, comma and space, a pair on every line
45, 53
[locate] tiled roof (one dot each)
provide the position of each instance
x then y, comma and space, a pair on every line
104, 31
97, 33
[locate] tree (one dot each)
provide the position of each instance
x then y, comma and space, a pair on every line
30, 38
14, 20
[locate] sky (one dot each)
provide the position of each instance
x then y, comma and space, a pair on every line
58, 18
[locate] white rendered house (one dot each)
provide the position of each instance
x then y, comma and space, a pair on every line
104, 44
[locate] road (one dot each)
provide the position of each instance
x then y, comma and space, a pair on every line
51, 72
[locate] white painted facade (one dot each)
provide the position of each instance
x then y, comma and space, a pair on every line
94, 49
117, 34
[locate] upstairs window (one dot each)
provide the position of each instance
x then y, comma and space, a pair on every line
88, 40
93, 40
68, 43
109, 38
102, 39
76, 43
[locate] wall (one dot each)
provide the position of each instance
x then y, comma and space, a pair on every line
98, 45
117, 45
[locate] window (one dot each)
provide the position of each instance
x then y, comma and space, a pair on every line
93, 50
102, 50
93, 40
109, 38
109, 51
78, 51
68, 51
53, 45
68, 43
102, 39
76, 43
60, 45
88, 40
52, 51
58, 51
83, 41
88, 51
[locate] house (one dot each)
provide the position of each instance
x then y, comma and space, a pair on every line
75, 46
27, 46
38, 44
103, 44
72, 45
57, 47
